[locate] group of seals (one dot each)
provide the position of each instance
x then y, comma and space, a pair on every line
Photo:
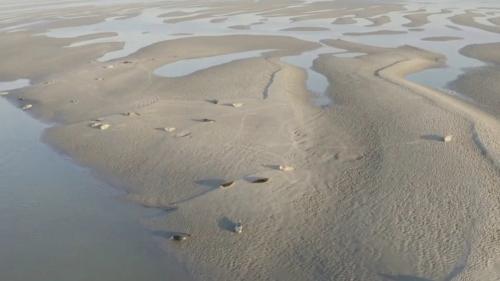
237, 227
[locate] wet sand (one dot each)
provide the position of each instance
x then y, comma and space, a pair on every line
420, 19
482, 83
375, 193
344, 21
495, 20
485, 52
442, 38
378, 21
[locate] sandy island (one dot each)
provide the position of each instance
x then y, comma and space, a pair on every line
467, 19
420, 19
378, 21
442, 38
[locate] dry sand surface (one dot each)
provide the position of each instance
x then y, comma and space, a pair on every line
460, 117
484, 85
375, 193
240, 27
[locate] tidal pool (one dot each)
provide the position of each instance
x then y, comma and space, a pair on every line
189, 66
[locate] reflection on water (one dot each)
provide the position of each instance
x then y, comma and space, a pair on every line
57, 222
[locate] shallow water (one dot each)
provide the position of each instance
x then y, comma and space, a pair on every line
151, 27
57, 222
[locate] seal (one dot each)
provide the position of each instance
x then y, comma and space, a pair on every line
180, 236
206, 120
226, 184
238, 227
260, 180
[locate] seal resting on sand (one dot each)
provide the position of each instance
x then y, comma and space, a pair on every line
180, 236
238, 227
27, 106
226, 184
104, 126
286, 168
169, 129
206, 120
260, 180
